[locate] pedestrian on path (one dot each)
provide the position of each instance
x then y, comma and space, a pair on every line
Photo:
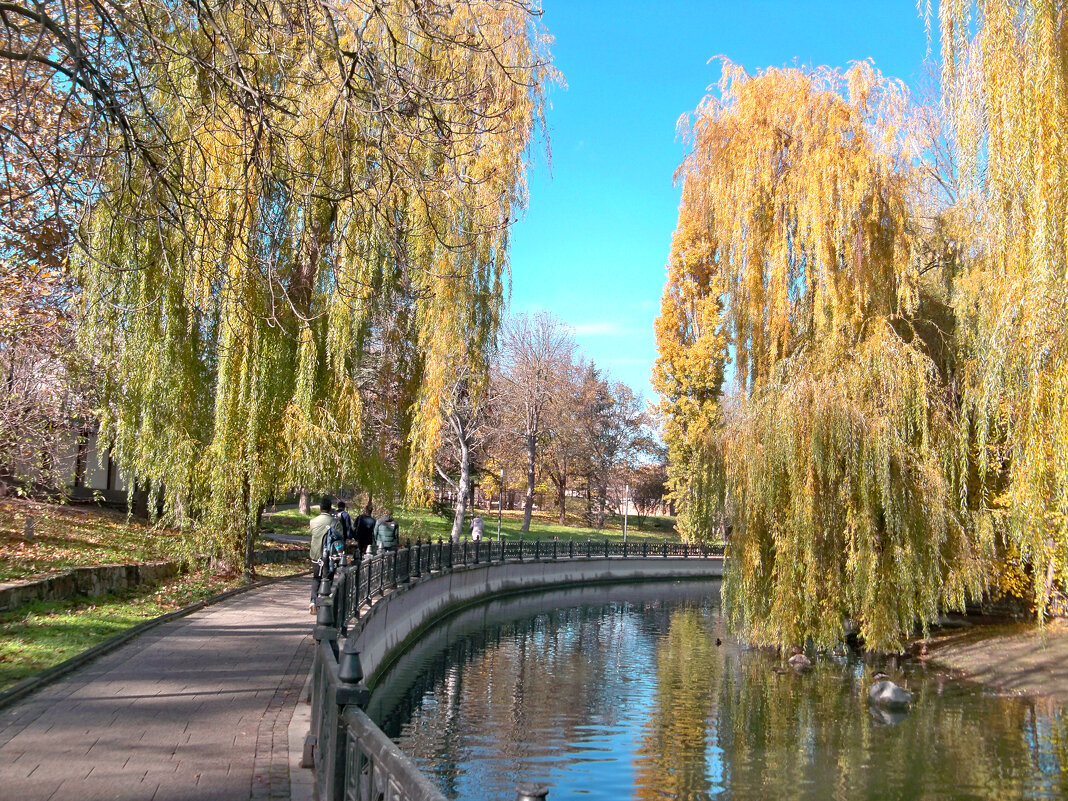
365, 529
386, 536
477, 528
320, 526
345, 520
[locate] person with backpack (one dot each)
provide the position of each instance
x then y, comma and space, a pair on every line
320, 526
342, 516
386, 534
365, 529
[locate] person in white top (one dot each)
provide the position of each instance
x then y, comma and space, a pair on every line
476, 528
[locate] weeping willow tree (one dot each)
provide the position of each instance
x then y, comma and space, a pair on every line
311, 232
837, 462
1005, 75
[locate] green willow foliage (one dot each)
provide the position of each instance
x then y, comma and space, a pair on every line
845, 504
837, 463
312, 235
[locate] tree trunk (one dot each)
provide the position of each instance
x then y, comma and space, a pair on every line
528, 501
461, 492
561, 488
304, 503
250, 535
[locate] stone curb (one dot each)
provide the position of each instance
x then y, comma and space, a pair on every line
32, 683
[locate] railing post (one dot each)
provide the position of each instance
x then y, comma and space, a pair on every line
450, 552
463, 552
686, 550
606, 548
324, 612
664, 544
537, 549
555, 541
645, 549
589, 548
418, 549
354, 589
477, 544
520, 549
624, 549
570, 547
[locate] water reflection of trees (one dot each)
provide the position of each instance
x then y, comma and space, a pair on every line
815, 736
527, 692
672, 759
539, 695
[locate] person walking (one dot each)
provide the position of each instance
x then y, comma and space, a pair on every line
342, 516
477, 527
386, 535
365, 529
319, 526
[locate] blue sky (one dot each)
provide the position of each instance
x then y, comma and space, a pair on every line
593, 244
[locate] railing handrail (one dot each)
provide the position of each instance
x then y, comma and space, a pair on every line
384, 752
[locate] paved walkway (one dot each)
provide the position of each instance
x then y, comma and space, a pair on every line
197, 708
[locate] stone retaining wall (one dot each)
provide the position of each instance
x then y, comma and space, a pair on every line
102, 579
89, 581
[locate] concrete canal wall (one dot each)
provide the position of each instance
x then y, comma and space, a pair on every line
400, 617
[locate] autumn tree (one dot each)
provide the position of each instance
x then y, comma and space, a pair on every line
838, 462
616, 435
1005, 88
298, 227
649, 487
471, 417
535, 362
688, 374
566, 448
46, 388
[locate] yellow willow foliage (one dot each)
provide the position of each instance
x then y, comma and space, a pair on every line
836, 462
688, 374
284, 294
1006, 81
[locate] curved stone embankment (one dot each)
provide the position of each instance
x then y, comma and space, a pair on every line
400, 617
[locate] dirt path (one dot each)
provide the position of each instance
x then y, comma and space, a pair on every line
1021, 659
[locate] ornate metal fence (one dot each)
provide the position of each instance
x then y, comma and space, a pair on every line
353, 759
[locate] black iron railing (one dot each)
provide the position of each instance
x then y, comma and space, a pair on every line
353, 759
361, 583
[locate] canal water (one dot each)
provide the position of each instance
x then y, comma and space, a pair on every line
626, 692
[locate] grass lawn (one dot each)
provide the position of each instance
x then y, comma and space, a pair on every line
424, 524
45, 633
69, 536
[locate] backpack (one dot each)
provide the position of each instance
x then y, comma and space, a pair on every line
334, 541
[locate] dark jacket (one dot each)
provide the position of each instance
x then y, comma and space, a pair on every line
365, 532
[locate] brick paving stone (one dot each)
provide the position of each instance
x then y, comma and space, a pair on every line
197, 708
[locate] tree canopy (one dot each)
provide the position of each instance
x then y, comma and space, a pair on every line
1004, 73
796, 249
298, 225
